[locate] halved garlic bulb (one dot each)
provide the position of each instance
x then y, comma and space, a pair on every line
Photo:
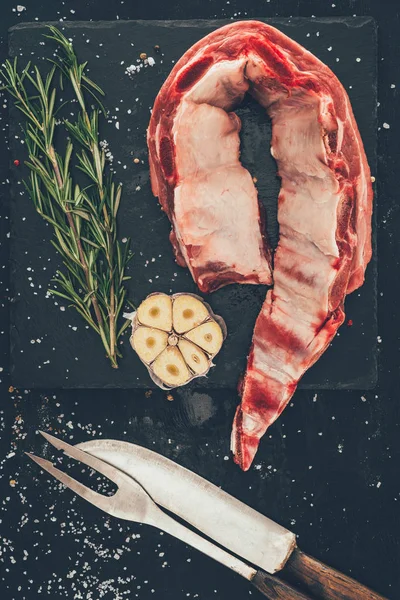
176, 337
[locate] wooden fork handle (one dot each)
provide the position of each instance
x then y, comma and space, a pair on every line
323, 582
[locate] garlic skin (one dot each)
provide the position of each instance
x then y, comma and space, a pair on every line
176, 337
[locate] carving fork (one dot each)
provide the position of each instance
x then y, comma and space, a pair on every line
131, 502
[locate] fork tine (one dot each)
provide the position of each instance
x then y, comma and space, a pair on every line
95, 463
102, 502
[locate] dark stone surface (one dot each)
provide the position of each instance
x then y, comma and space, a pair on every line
345, 509
54, 349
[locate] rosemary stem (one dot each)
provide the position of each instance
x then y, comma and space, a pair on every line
113, 340
52, 156
70, 219
94, 150
83, 218
85, 268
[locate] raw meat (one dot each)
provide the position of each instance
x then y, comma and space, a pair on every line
324, 205
209, 197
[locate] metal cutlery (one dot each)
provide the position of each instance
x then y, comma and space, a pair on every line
146, 480
131, 502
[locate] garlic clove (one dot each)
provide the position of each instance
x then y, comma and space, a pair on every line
195, 358
156, 311
208, 336
171, 368
187, 312
149, 342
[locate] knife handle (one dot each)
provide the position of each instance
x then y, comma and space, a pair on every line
323, 582
275, 589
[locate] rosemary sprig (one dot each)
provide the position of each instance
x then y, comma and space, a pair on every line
84, 219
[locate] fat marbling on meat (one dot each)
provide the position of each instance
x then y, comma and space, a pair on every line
324, 205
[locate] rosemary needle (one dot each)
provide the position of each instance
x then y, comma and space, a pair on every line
84, 219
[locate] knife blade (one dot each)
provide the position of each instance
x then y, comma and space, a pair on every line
217, 514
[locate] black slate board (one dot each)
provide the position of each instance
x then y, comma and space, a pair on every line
51, 347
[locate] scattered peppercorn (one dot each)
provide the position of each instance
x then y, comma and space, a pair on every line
12, 482
170, 397
349, 323
136, 161
157, 48
11, 389
16, 162
143, 55
148, 393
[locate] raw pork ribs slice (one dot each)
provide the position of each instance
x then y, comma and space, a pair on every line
324, 205
209, 197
